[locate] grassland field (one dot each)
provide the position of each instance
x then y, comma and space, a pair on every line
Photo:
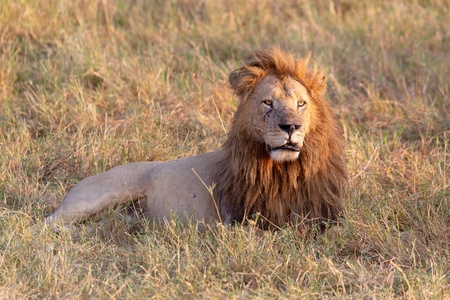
88, 85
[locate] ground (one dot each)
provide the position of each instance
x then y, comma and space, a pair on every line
88, 85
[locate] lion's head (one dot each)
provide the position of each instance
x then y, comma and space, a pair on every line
279, 113
284, 154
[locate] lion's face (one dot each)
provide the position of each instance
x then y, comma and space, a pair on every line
281, 113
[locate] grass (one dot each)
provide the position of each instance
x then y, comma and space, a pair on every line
88, 85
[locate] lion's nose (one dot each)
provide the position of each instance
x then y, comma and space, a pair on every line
289, 128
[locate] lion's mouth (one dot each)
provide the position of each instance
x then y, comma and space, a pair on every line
287, 146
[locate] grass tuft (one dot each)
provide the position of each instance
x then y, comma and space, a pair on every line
88, 85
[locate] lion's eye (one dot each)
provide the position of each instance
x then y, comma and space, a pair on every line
268, 102
301, 103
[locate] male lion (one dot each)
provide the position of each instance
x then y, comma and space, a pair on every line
283, 158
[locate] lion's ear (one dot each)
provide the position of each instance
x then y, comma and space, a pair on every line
242, 80
319, 84
235, 77
322, 83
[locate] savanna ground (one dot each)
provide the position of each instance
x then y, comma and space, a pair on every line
88, 85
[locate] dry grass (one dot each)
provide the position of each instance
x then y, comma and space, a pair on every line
87, 85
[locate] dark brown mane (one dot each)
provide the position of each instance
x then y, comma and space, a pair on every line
250, 182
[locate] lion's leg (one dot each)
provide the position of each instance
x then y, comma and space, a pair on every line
93, 194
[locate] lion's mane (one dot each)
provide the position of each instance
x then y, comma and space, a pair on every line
308, 189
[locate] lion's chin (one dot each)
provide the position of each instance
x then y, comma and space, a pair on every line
282, 155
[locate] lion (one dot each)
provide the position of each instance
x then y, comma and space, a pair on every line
282, 162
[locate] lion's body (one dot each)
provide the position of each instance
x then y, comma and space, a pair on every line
282, 159
162, 188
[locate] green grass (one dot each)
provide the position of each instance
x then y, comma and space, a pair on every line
88, 85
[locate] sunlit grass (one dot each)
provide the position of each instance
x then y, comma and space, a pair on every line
88, 85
